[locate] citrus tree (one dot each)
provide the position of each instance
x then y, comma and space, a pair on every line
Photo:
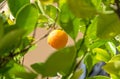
97, 20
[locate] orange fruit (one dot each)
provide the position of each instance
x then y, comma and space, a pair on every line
57, 39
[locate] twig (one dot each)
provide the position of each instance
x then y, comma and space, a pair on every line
34, 32
23, 60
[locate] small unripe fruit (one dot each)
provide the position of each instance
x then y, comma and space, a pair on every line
57, 39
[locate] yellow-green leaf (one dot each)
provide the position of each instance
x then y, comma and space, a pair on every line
101, 54
108, 26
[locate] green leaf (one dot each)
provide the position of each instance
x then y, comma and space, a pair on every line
115, 58
97, 43
91, 40
51, 11
68, 22
112, 68
59, 62
42, 20
46, 2
77, 74
27, 18
107, 4
114, 76
16, 5
9, 28
10, 40
91, 31
117, 38
26, 75
76, 24
82, 26
39, 68
1, 28
97, 4
82, 8
26, 41
1, 1
89, 62
18, 71
78, 43
101, 54
98, 77
4, 69
108, 26
118, 48
111, 48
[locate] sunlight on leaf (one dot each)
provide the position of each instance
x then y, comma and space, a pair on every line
101, 54
111, 48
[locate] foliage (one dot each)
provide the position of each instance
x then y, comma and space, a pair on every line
97, 20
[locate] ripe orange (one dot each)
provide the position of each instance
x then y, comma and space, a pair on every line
57, 39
